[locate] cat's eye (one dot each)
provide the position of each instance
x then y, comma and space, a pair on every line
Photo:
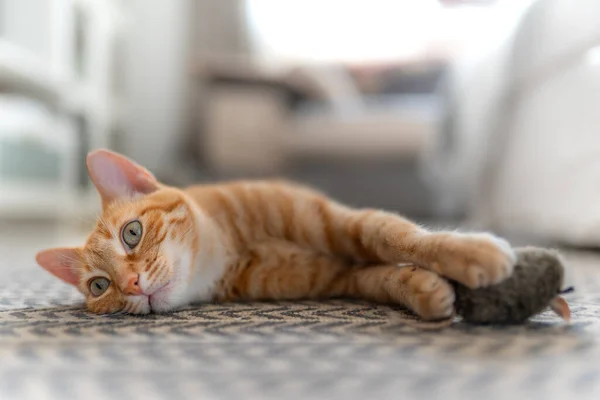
99, 285
132, 233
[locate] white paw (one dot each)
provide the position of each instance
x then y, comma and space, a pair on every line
475, 259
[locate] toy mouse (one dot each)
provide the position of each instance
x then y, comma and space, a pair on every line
535, 285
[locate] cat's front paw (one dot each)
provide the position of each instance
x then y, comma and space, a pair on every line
475, 259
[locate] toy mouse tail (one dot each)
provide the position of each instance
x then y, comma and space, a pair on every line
561, 308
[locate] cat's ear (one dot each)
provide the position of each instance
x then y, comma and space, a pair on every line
61, 262
117, 177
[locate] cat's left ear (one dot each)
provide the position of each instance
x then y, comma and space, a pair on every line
62, 262
117, 177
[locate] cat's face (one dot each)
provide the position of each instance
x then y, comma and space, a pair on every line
139, 256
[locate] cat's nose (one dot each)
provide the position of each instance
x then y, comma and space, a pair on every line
133, 287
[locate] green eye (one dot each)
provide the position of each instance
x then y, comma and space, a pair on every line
99, 285
132, 234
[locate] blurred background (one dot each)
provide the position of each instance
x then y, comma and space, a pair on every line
480, 112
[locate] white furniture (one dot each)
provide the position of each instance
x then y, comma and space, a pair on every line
57, 61
531, 140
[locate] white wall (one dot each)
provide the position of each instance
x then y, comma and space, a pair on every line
219, 28
360, 30
158, 81
26, 24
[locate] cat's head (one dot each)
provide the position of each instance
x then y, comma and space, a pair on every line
139, 256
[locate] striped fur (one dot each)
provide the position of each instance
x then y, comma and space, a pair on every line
263, 240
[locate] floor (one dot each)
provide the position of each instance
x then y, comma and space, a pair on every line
51, 348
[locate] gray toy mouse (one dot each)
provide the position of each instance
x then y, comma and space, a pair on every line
535, 285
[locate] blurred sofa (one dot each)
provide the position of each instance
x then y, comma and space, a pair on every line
518, 147
356, 139
260, 119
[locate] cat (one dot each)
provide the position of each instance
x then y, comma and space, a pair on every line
157, 248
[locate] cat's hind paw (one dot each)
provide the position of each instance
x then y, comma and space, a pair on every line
430, 296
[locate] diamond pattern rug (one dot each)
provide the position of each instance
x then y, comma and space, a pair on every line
51, 348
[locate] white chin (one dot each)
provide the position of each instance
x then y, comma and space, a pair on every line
166, 300
137, 305
160, 305
144, 309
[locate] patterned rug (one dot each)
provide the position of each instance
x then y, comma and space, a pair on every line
51, 348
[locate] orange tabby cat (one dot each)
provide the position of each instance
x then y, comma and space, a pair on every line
157, 248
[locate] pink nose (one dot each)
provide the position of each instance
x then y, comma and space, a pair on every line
133, 287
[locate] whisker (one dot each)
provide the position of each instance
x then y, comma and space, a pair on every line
136, 310
164, 271
86, 219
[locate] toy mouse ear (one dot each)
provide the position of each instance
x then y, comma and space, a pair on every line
62, 262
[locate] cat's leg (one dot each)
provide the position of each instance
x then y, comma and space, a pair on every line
426, 293
278, 270
474, 259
